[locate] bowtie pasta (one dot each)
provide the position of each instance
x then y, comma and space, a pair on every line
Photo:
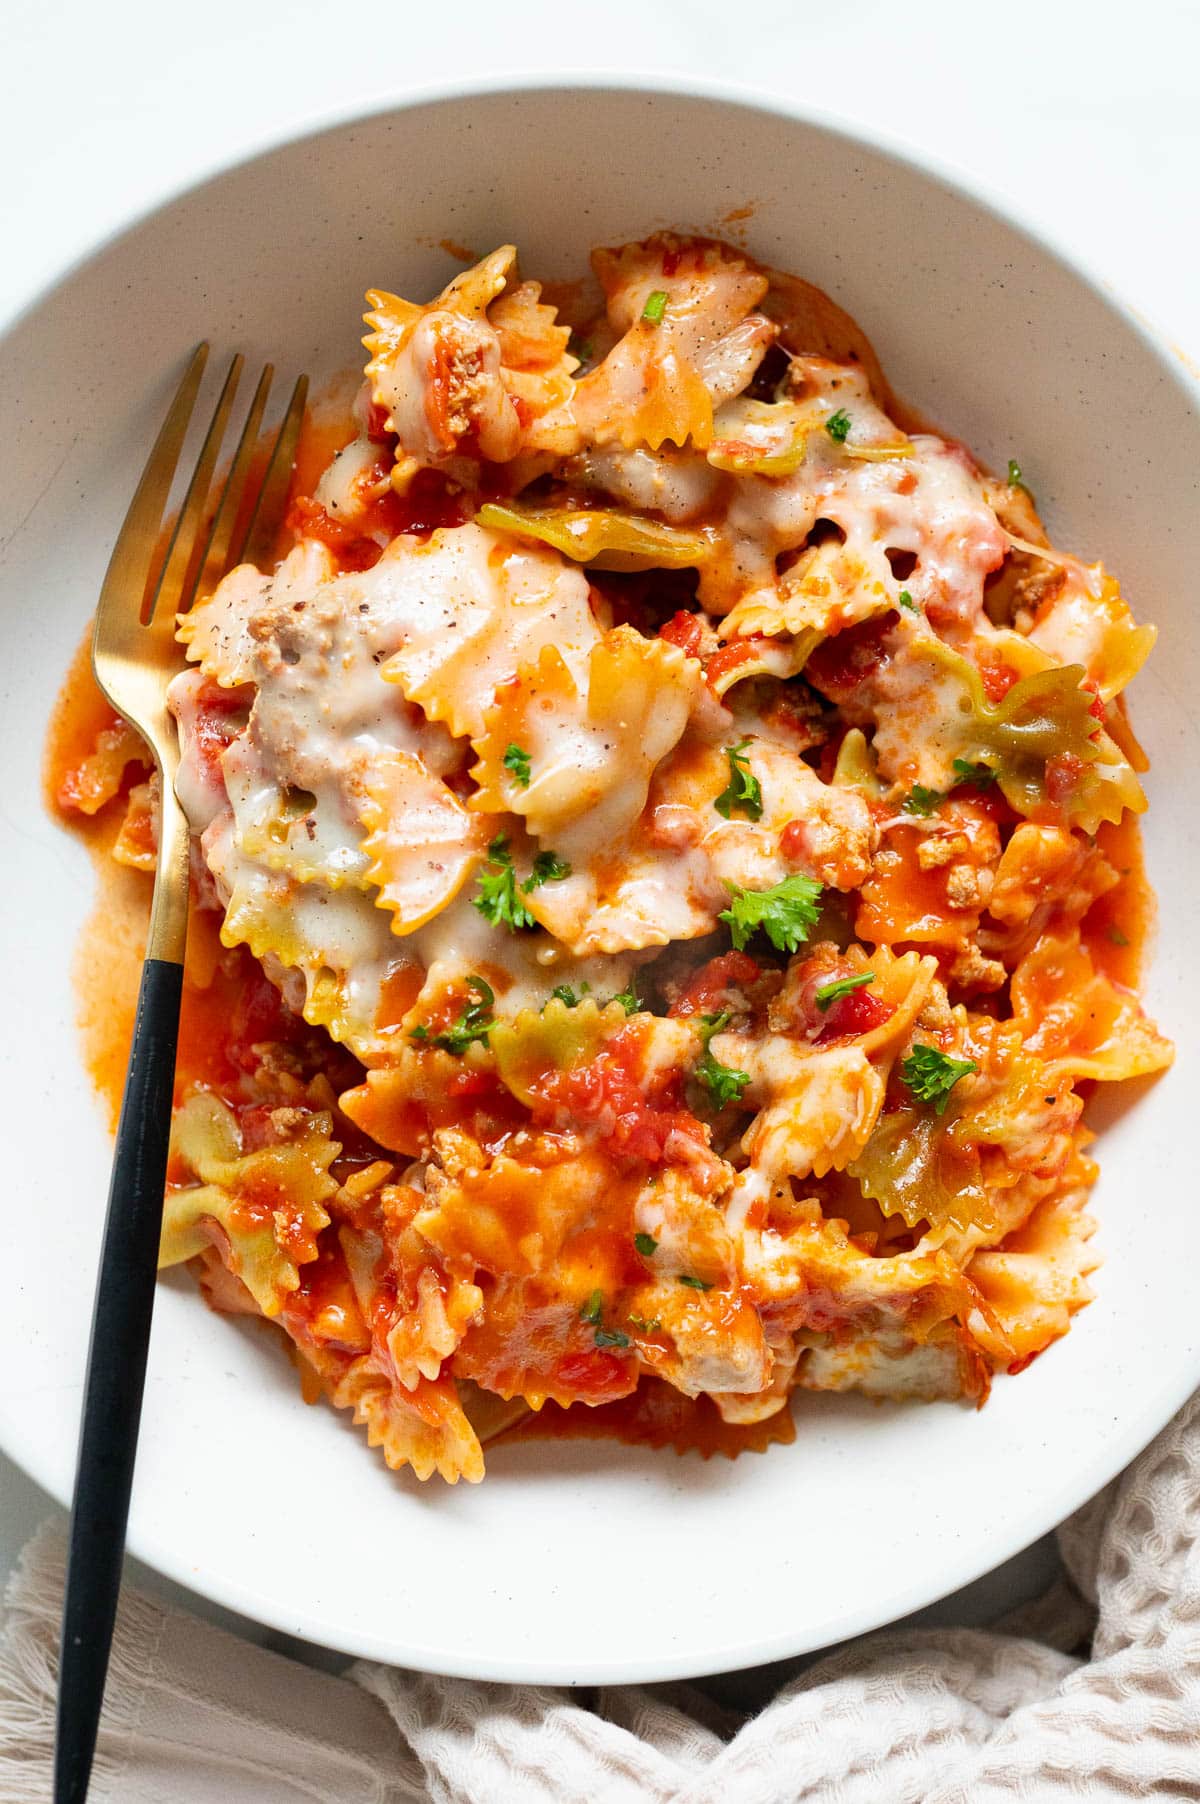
671, 821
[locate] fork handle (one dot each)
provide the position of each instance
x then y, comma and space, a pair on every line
116, 1374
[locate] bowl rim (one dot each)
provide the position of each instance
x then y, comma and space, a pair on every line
1046, 1510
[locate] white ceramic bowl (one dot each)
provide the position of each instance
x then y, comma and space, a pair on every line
583, 1561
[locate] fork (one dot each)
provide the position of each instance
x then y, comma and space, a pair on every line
134, 657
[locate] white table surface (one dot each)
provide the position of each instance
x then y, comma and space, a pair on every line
1085, 120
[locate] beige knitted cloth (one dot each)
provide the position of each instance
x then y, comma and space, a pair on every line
956, 1716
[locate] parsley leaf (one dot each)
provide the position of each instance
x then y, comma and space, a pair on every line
980, 775
906, 601
722, 1082
920, 800
693, 1283
548, 867
785, 912
656, 306
629, 999
931, 1075
829, 993
1116, 938
498, 901
1015, 479
593, 1312
744, 792
566, 994
474, 1023
645, 1244
838, 426
517, 761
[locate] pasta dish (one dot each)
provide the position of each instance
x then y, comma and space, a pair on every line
665, 878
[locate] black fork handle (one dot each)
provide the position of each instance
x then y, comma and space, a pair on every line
116, 1375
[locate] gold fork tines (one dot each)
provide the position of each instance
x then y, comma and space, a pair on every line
134, 654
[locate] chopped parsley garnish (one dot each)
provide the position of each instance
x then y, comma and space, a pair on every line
548, 867
693, 1283
906, 601
517, 761
722, 1082
645, 1244
474, 1023
654, 1326
498, 901
744, 792
978, 774
593, 1312
838, 426
566, 994
629, 999
785, 912
920, 800
656, 306
419, 1033
1116, 938
829, 993
931, 1075
1015, 479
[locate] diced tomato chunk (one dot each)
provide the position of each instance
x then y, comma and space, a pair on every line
596, 1377
842, 662
684, 630
705, 988
855, 1013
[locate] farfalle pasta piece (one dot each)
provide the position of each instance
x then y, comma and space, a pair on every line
216, 632
514, 1214
816, 1104
591, 750
535, 363
421, 841
601, 537
1085, 620
136, 845
695, 341
311, 836
97, 777
957, 1169
556, 1037
400, 1103
896, 1326
1037, 1278
1042, 739
435, 370
485, 605
268, 1204
337, 942
423, 1428
418, 1310
830, 587
1082, 1023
